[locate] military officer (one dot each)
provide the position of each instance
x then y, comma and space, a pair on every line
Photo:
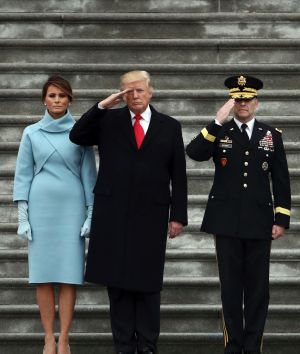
240, 211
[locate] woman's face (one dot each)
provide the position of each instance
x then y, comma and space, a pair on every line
57, 101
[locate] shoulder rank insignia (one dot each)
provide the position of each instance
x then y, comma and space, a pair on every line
279, 130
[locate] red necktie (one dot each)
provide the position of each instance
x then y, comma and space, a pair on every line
138, 130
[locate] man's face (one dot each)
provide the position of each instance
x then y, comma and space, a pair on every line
244, 109
139, 96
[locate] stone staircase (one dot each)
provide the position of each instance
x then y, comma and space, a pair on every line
189, 47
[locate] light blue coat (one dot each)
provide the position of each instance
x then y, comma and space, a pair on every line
57, 178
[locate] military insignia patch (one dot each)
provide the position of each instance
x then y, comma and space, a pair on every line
223, 161
265, 165
266, 143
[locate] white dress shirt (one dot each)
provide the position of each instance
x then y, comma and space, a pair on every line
249, 128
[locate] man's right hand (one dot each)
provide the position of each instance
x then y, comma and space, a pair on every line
224, 111
113, 99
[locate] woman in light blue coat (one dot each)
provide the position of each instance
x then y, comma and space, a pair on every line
53, 186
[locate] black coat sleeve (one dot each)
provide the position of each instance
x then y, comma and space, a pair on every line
201, 148
281, 184
86, 130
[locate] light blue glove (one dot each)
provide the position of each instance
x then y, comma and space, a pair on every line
86, 227
24, 229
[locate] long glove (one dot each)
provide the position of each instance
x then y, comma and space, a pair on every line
24, 229
86, 227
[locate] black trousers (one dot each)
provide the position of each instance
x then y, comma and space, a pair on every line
135, 319
244, 276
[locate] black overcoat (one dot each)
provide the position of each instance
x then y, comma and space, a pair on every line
240, 203
138, 191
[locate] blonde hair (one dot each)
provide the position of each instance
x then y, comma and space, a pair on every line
135, 75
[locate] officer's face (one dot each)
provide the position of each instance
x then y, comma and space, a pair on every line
244, 109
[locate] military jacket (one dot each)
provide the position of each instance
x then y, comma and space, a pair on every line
241, 202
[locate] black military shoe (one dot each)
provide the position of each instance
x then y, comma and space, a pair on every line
125, 352
146, 351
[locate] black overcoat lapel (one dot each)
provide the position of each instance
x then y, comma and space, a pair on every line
125, 124
155, 124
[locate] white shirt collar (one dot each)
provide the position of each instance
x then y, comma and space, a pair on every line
146, 115
250, 124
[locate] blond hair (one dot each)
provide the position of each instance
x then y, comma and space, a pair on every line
135, 75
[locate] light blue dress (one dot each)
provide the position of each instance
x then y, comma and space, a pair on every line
56, 177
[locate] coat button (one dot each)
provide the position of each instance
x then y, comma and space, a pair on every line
245, 174
247, 153
246, 163
212, 197
224, 150
245, 185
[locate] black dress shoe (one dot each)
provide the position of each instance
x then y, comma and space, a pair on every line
125, 352
147, 351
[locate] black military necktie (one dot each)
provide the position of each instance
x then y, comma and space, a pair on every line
244, 133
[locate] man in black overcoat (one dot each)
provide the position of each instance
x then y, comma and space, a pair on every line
140, 196
241, 212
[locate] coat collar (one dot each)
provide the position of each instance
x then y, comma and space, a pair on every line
235, 133
51, 125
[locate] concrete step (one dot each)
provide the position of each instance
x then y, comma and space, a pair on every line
179, 262
171, 51
12, 125
172, 102
92, 6
199, 180
174, 319
8, 155
164, 76
149, 25
12, 128
176, 290
150, 6
191, 238
196, 207
169, 343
